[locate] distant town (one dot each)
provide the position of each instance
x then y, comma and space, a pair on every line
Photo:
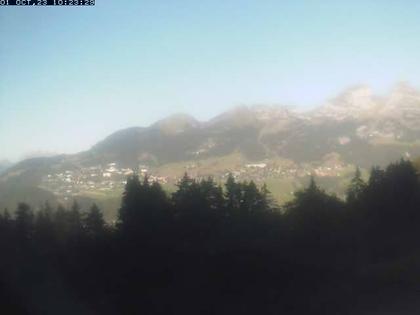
111, 177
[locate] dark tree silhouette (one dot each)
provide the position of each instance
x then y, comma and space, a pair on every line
44, 225
94, 222
357, 187
209, 248
24, 222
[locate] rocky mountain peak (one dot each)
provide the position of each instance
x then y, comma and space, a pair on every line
355, 103
356, 98
404, 94
403, 106
252, 115
269, 113
404, 88
236, 117
176, 123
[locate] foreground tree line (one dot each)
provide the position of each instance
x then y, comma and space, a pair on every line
208, 249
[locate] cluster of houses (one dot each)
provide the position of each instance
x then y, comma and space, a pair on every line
94, 178
111, 177
261, 171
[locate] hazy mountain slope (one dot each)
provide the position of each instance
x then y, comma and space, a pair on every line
4, 165
11, 194
263, 143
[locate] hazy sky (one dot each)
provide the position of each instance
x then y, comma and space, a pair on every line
70, 76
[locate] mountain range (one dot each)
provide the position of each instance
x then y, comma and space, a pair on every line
270, 144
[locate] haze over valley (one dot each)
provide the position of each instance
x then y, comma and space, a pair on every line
267, 144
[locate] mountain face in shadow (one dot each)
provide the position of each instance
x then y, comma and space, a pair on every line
356, 127
4, 165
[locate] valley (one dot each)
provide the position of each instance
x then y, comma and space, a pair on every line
108, 179
275, 145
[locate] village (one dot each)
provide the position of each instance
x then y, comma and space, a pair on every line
111, 177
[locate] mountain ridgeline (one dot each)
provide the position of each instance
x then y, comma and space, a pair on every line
261, 132
271, 144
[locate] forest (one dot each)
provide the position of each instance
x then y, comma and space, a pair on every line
220, 249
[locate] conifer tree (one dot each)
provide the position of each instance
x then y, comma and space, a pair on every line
267, 201
74, 220
24, 220
187, 197
131, 200
61, 224
212, 194
44, 227
357, 187
5, 217
5, 225
251, 198
313, 209
94, 222
233, 194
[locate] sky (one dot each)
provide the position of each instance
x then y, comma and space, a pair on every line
70, 76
